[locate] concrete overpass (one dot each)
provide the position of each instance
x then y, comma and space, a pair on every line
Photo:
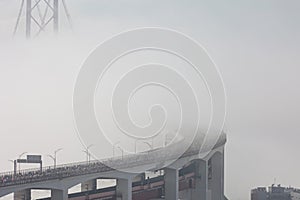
209, 173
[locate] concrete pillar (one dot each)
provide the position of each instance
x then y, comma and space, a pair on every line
217, 176
171, 184
59, 194
200, 192
23, 195
89, 185
124, 189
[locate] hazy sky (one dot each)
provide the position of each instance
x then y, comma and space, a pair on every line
255, 44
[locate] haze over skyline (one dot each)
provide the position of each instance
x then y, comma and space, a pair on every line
255, 45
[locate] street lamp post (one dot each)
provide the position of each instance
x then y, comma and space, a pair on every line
151, 146
121, 151
11, 161
20, 158
145, 142
114, 146
118, 147
53, 157
14, 163
135, 145
88, 154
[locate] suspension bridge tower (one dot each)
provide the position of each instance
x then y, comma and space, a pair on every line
40, 15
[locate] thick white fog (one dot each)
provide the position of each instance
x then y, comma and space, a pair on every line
255, 45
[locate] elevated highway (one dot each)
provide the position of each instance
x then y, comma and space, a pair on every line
209, 174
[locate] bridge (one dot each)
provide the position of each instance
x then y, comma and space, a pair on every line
208, 174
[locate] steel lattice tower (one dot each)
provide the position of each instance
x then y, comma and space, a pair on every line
48, 13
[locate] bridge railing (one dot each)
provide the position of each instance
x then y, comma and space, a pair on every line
77, 169
95, 166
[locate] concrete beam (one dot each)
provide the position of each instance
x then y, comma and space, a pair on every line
124, 189
23, 195
89, 185
171, 184
59, 194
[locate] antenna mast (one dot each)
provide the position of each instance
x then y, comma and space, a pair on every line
39, 15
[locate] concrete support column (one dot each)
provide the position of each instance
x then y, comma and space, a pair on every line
89, 185
23, 195
217, 177
124, 189
59, 194
200, 192
171, 184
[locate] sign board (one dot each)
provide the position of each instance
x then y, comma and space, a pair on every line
21, 160
34, 158
29, 159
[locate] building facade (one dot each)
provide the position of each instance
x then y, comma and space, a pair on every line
275, 192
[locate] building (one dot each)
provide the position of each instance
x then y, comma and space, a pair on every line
295, 193
275, 193
259, 193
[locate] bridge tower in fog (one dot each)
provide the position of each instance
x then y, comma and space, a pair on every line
40, 15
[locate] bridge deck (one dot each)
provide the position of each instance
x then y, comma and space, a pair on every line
97, 166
